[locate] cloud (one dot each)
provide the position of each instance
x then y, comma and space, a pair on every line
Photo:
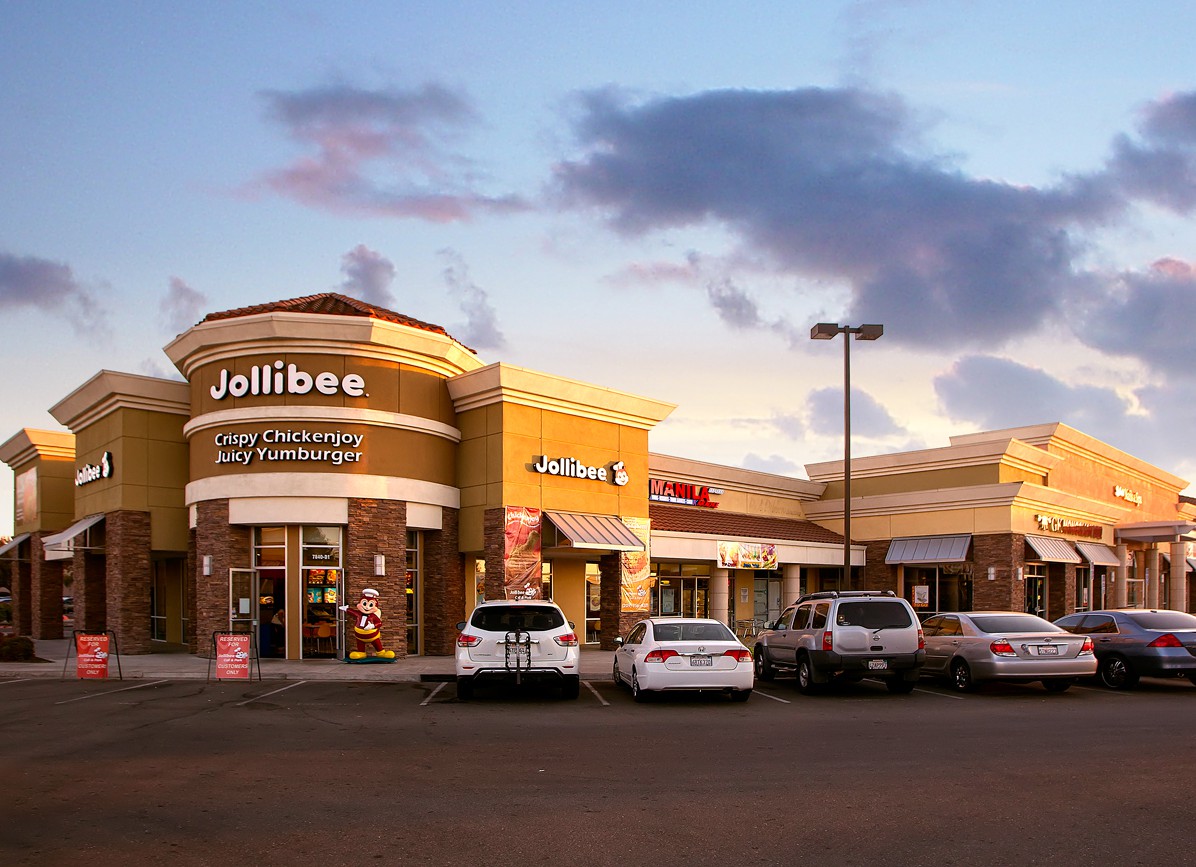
868, 418
481, 329
776, 464
368, 275
51, 288
381, 153
183, 306
1159, 166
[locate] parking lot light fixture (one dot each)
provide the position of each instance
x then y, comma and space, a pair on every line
827, 331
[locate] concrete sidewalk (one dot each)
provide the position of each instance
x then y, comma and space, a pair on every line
595, 665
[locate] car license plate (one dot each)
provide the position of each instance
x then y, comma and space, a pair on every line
700, 662
877, 664
1048, 650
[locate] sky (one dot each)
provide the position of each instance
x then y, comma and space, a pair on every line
659, 198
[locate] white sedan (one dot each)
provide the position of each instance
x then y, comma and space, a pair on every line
683, 653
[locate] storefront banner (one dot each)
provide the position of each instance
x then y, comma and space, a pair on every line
637, 569
747, 555
232, 657
91, 662
521, 553
921, 596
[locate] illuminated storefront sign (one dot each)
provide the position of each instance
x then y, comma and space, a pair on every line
747, 555
89, 473
682, 493
272, 379
1123, 493
1055, 524
243, 448
614, 473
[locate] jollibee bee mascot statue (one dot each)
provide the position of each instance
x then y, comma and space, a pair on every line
366, 618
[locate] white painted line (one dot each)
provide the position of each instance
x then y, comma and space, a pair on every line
939, 694
112, 691
1105, 690
431, 696
590, 687
272, 692
22, 680
773, 697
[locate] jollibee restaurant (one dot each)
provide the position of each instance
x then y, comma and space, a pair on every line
320, 446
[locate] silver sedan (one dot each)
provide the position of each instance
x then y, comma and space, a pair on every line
974, 646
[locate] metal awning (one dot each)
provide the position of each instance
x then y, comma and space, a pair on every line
1053, 550
591, 532
1153, 531
12, 543
61, 546
929, 549
1098, 554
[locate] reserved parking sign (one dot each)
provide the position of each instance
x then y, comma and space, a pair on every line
232, 656
91, 656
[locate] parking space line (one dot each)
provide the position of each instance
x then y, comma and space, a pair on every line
432, 695
773, 697
590, 687
22, 680
272, 692
112, 691
940, 694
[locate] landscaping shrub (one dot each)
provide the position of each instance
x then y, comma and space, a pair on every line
16, 648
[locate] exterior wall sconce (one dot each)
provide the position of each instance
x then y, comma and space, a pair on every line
379, 565
207, 564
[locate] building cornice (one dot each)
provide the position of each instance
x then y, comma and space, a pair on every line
30, 444
736, 478
110, 390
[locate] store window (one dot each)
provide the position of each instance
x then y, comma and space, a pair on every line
546, 580
593, 604
1035, 579
413, 584
321, 578
270, 570
945, 587
1135, 586
680, 589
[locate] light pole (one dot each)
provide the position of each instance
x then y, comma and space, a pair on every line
827, 331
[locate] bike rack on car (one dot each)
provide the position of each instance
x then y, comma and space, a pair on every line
519, 647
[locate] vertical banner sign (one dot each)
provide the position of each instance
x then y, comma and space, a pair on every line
232, 656
637, 569
521, 553
91, 656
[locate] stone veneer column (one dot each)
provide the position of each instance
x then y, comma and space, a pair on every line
45, 593
127, 585
720, 595
22, 607
1178, 596
494, 530
878, 575
89, 589
1061, 589
1005, 552
444, 586
615, 621
1121, 584
189, 574
229, 547
378, 527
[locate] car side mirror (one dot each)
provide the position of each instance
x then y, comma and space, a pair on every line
619, 640
572, 625
460, 625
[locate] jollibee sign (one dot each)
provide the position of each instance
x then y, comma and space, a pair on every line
282, 378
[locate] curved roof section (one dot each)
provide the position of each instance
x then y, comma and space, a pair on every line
728, 524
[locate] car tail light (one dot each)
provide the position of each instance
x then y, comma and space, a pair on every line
921, 639
1001, 647
464, 640
828, 641
1166, 640
660, 655
1087, 646
569, 639
741, 654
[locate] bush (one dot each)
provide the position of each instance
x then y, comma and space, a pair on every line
16, 648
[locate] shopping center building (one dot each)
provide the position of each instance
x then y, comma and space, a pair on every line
320, 446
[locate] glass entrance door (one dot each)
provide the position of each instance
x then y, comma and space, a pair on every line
242, 600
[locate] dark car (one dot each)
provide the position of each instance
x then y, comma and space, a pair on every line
1137, 642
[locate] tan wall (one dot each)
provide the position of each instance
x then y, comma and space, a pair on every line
748, 503
150, 466
937, 523
902, 483
1082, 474
55, 487
569, 591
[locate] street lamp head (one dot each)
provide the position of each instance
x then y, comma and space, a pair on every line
825, 331
869, 332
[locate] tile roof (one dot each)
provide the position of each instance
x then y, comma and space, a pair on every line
716, 523
329, 303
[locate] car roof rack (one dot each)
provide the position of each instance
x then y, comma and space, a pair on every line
838, 594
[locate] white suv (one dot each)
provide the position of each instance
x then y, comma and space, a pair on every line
517, 641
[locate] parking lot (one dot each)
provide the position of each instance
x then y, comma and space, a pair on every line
340, 773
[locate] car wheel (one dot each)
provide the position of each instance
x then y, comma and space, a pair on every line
571, 688
640, 695
614, 672
764, 669
805, 677
961, 676
900, 686
464, 687
1115, 673
741, 695
1058, 684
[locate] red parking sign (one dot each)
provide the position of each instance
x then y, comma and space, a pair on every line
232, 657
91, 653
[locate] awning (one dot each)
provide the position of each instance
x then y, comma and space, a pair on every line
591, 532
1153, 531
1053, 550
929, 549
12, 543
61, 546
1098, 554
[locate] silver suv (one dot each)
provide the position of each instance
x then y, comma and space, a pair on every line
847, 635
517, 641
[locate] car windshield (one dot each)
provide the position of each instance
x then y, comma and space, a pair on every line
692, 632
1163, 620
873, 615
509, 618
996, 623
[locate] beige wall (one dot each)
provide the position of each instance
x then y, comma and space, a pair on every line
45, 461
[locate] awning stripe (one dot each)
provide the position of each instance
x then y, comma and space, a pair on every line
59, 539
1053, 550
929, 549
595, 532
1098, 554
12, 543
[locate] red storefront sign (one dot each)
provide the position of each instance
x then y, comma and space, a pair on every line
232, 657
91, 656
